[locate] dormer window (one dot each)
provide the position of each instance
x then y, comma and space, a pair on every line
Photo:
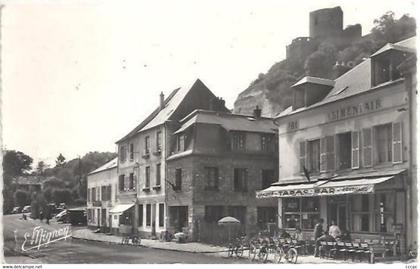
310, 90
385, 63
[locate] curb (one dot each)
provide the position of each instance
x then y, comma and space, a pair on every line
151, 247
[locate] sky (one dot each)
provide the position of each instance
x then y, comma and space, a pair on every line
78, 75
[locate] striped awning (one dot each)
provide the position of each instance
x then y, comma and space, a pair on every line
324, 188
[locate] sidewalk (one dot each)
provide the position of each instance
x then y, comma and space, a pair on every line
193, 247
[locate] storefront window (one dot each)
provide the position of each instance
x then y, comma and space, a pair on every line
384, 208
301, 212
360, 213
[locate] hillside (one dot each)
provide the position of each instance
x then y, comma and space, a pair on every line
330, 59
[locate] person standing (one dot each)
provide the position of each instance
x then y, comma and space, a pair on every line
334, 230
318, 232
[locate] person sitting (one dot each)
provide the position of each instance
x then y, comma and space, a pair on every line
334, 230
285, 235
298, 236
345, 237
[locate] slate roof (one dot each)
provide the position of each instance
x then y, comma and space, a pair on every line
355, 81
109, 165
231, 122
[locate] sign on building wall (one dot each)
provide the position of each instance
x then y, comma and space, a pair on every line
326, 191
354, 110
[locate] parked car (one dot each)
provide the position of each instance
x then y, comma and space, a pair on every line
63, 216
17, 209
26, 209
77, 216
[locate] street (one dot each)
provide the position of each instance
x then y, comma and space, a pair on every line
79, 251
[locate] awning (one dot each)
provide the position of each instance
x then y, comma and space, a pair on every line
119, 209
324, 188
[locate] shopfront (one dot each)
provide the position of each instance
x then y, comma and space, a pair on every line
369, 207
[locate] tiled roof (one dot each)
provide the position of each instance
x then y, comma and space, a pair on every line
30, 180
354, 82
111, 164
231, 122
315, 80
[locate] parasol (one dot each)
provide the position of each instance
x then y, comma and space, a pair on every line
228, 221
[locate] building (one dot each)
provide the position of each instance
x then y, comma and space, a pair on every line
142, 165
30, 183
347, 147
217, 162
101, 197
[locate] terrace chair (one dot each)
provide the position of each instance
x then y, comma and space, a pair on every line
332, 249
364, 251
349, 250
341, 250
323, 249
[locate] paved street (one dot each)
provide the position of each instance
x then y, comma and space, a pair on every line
79, 251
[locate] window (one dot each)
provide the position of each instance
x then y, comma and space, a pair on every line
302, 156
178, 179
213, 213
131, 152
385, 69
140, 215
132, 182
384, 208
161, 215
367, 147
327, 156
181, 142
267, 178
344, 150
266, 215
361, 213
158, 174
240, 179
158, 141
89, 199
147, 171
238, 212
397, 142
212, 178
93, 194
123, 153
313, 155
238, 141
121, 183
301, 212
126, 217
148, 214
267, 143
383, 140
355, 152
147, 145
104, 193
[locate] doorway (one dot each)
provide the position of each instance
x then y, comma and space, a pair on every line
178, 217
338, 214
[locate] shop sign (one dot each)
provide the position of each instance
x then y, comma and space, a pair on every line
354, 110
317, 191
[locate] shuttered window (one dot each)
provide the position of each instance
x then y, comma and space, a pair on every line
367, 147
302, 155
355, 150
397, 142
327, 156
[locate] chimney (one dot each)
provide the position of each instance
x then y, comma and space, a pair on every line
257, 112
162, 100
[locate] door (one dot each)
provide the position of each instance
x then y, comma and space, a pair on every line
342, 217
103, 218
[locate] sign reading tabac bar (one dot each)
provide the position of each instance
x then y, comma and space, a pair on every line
317, 191
354, 110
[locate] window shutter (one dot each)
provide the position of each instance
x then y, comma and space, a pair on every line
125, 183
330, 153
355, 152
397, 142
302, 155
323, 155
367, 147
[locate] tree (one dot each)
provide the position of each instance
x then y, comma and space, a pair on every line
41, 168
389, 30
15, 163
60, 161
321, 62
62, 196
22, 198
